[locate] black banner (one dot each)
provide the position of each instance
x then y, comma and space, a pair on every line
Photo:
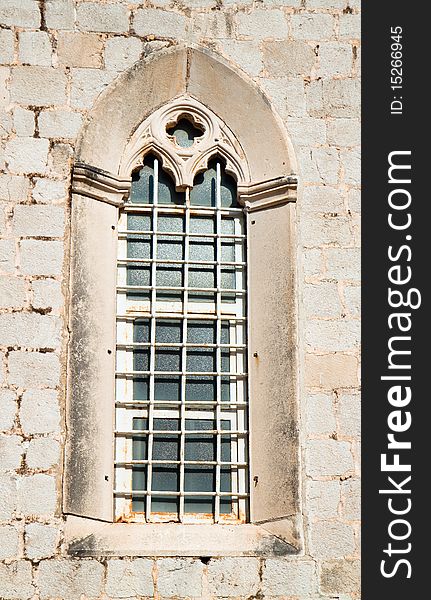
395, 304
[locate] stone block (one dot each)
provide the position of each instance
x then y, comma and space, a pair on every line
60, 14
340, 576
38, 221
324, 458
8, 407
233, 576
7, 256
9, 542
322, 498
263, 24
351, 499
344, 132
40, 541
47, 294
322, 300
77, 49
69, 579
349, 415
39, 411
23, 122
29, 330
179, 577
321, 199
342, 97
350, 27
35, 48
335, 336
16, 577
326, 4
319, 165
313, 262
316, 27
129, 578
287, 95
34, 369
59, 124
121, 53
321, 230
37, 495
10, 452
331, 539
288, 58
331, 371
14, 188
7, 496
307, 131
41, 257
46, 191
150, 21
87, 84
336, 59
38, 86
343, 263
246, 55
27, 155
320, 414
20, 13
107, 18
352, 299
42, 453
351, 161
7, 41
282, 577
214, 26
12, 292
60, 160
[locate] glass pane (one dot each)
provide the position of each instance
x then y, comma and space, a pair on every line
202, 277
170, 223
202, 225
200, 389
168, 359
138, 275
169, 277
225, 486
168, 332
185, 133
141, 389
166, 446
141, 331
199, 478
227, 225
228, 251
167, 389
139, 473
201, 332
169, 249
141, 360
228, 190
167, 191
201, 359
139, 222
202, 249
138, 247
142, 188
200, 446
203, 192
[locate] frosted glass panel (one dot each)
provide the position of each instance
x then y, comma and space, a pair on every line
142, 188
168, 331
184, 133
167, 191
202, 225
169, 249
139, 222
199, 389
228, 190
170, 223
168, 359
201, 359
139, 248
167, 389
203, 192
202, 249
201, 332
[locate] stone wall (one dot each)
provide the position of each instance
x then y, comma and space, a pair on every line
56, 57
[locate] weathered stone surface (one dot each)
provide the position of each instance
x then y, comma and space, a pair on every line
69, 579
335, 59
35, 48
7, 496
340, 576
331, 539
80, 49
20, 13
13, 188
323, 499
16, 581
10, 452
40, 540
9, 542
112, 18
7, 256
39, 411
328, 457
288, 58
41, 258
344, 132
6, 46
322, 300
128, 578
42, 453
37, 495
34, 369
349, 415
342, 97
47, 294
351, 499
149, 21
312, 26
23, 121
38, 86
60, 14
12, 292
350, 27
34, 220
344, 263
59, 124
320, 414
326, 229
246, 55
87, 84
8, 408
46, 191
233, 576
27, 155
288, 578
262, 24
28, 329
287, 95
121, 53
352, 299
179, 577
336, 336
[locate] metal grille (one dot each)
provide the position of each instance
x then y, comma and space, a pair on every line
181, 381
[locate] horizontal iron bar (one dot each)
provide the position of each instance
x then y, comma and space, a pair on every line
139, 432
155, 403
181, 373
185, 493
178, 345
161, 261
211, 463
125, 232
145, 288
174, 315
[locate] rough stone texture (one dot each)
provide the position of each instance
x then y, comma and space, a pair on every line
233, 576
149, 21
305, 56
129, 578
289, 578
37, 495
40, 541
69, 579
189, 583
80, 49
35, 48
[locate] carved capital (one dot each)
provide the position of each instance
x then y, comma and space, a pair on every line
98, 184
266, 194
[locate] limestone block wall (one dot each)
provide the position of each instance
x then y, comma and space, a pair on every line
56, 57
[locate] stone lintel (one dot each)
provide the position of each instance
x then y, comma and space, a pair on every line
98, 184
266, 194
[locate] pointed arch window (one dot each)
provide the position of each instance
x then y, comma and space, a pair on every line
181, 447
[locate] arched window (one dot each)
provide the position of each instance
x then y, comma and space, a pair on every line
181, 448
181, 382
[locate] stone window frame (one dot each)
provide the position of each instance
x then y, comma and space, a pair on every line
265, 168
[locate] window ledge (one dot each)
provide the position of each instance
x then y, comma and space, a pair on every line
87, 537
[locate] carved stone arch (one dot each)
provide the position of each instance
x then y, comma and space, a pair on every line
265, 170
